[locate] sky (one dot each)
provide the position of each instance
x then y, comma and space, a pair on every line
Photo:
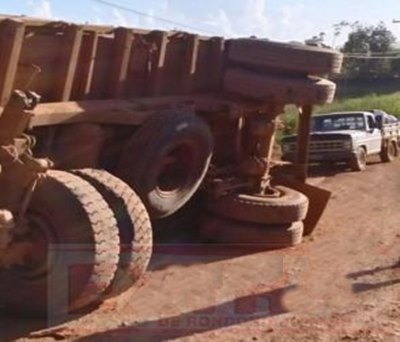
282, 20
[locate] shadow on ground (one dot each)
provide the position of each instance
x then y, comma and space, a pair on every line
239, 311
13, 327
364, 287
373, 271
360, 287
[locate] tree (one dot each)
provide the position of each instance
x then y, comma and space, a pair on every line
364, 39
338, 30
367, 40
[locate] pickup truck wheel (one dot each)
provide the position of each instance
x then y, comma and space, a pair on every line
166, 160
290, 206
359, 162
389, 153
282, 89
295, 58
75, 250
221, 230
135, 231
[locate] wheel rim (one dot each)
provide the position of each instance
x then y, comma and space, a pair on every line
270, 193
40, 259
175, 171
392, 151
362, 159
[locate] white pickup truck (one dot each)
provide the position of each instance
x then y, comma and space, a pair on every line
349, 137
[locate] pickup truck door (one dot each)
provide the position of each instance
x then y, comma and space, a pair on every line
373, 136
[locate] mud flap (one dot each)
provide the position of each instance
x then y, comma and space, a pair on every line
318, 198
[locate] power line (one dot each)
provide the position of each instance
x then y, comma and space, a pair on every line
391, 53
357, 56
143, 14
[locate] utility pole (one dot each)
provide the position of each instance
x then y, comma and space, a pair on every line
396, 21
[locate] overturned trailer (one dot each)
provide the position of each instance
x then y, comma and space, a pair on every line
103, 130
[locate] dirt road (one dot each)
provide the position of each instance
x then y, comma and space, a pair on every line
343, 284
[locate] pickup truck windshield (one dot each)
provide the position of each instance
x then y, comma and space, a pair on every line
337, 122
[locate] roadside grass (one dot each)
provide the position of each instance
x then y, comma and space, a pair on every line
389, 103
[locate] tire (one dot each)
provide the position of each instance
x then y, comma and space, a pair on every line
243, 233
295, 58
291, 206
135, 231
359, 161
280, 89
73, 216
389, 152
166, 160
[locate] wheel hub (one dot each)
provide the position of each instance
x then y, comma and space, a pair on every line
269, 192
175, 170
31, 254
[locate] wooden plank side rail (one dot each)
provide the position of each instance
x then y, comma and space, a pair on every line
189, 62
157, 62
216, 62
68, 60
75, 54
120, 62
11, 40
177, 63
84, 73
134, 112
93, 111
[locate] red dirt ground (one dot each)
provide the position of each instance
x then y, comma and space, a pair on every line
343, 284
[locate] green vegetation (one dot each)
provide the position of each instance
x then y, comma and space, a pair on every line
388, 103
366, 41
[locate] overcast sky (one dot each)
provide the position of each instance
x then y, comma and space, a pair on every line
287, 20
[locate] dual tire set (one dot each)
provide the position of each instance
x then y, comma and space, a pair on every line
268, 222
91, 238
281, 73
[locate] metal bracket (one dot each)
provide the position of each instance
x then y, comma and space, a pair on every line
15, 120
6, 225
